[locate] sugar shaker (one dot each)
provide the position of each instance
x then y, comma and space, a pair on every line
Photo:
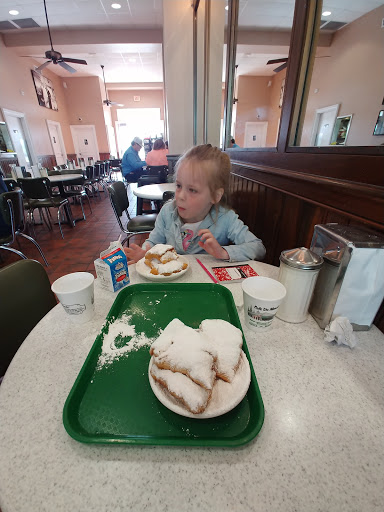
298, 272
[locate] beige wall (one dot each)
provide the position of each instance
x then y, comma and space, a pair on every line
258, 101
353, 77
81, 98
17, 92
85, 101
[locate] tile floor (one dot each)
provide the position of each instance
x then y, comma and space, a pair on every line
81, 245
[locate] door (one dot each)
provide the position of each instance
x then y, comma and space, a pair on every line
56, 136
255, 135
323, 125
21, 139
85, 142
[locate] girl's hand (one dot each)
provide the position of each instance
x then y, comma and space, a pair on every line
209, 243
134, 253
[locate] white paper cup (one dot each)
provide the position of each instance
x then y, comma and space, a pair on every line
76, 294
262, 297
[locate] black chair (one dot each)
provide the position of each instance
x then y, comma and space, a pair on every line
76, 190
168, 195
12, 212
157, 170
39, 194
120, 203
11, 184
91, 182
25, 298
115, 167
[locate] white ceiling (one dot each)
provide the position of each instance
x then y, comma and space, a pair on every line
90, 30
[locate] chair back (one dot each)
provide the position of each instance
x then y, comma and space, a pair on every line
12, 209
119, 198
25, 298
157, 170
167, 195
115, 163
89, 171
97, 171
11, 184
36, 188
148, 180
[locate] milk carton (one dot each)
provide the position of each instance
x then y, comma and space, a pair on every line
112, 268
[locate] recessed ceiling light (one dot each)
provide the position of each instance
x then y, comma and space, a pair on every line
115, 6
14, 13
226, 7
326, 13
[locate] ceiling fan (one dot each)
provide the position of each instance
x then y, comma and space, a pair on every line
107, 101
56, 57
285, 62
276, 61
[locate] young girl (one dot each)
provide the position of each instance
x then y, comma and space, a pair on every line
199, 220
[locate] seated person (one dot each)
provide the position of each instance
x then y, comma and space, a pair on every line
232, 143
158, 155
131, 165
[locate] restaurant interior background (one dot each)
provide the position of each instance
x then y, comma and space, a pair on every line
310, 128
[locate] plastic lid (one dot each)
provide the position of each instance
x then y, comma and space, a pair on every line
301, 258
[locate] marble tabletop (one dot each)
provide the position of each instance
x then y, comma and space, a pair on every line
321, 447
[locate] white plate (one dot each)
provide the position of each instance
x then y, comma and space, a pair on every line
144, 271
225, 395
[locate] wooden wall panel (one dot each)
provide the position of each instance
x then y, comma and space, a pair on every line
285, 221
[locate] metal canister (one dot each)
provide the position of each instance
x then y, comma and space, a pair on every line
299, 269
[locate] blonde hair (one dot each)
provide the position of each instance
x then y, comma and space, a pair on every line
212, 163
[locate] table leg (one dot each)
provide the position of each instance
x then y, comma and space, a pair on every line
139, 206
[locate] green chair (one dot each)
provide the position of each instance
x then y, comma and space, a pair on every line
25, 298
120, 203
12, 212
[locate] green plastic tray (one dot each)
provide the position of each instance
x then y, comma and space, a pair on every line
115, 404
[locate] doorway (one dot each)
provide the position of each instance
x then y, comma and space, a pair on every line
20, 136
85, 142
323, 125
57, 141
255, 135
137, 122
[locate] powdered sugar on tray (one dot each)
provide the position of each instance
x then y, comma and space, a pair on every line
121, 339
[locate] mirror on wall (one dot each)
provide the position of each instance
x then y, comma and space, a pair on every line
345, 90
263, 40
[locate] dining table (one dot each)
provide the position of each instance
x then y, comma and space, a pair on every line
320, 448
152, 192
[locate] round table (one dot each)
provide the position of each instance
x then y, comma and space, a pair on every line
152, 192
320, 448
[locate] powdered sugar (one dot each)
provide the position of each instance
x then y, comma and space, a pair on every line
120, 340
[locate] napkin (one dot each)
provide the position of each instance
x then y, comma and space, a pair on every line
341, 331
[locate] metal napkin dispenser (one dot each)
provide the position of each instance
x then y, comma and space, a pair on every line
351, 280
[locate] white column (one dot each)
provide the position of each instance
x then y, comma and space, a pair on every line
178, 71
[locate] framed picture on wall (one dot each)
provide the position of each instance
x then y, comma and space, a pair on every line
44, 89
340, 130
379, 126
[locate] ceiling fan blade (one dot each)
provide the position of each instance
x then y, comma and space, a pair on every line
75, 61
40, 68
68, 68
276, 61
280, 68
